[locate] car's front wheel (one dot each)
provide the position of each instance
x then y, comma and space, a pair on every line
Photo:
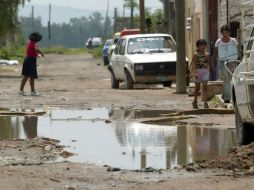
128, 80
244, 131
114, 82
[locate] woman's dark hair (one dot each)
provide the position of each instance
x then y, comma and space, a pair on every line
201, 42
35, 36
224, 28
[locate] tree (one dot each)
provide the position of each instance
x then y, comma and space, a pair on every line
70, 35
132, 4
9, 18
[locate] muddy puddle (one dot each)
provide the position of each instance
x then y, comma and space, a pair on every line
121, 143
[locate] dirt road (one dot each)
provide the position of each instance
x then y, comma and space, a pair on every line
79, 81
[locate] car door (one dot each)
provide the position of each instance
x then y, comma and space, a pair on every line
122, 59
114, 60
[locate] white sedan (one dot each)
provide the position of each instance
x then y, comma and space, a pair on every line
144, 58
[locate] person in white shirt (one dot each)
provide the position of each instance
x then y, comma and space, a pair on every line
225, 50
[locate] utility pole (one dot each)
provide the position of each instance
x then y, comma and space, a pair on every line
49, 29
180, 47
124, 11
33, 18
106, 20
142, 16
115, 20
132, 13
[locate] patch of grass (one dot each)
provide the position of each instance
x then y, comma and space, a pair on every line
63, 50
96, 52
12, 53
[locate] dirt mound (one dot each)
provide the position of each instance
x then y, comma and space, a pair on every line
238, 159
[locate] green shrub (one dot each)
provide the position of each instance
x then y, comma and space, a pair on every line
12, 53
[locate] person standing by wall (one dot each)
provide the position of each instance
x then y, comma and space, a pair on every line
201, 66
29, 69
225, 50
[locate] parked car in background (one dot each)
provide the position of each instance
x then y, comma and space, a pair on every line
106, 51
93, 42
144, 58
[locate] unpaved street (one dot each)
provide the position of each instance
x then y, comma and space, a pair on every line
80, 82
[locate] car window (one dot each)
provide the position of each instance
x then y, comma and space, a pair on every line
250, 43
159, 44
122, 47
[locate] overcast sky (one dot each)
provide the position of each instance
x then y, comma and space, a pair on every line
93, 4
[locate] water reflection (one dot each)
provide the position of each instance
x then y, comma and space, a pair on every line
122, 143
9, 128
30, 126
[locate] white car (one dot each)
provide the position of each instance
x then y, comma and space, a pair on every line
242, 91
93, 42
144, 58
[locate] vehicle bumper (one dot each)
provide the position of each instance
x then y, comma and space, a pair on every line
154, 79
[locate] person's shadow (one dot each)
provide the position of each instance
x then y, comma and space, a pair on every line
30, 126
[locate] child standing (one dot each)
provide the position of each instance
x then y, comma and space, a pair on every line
201, 68
29, 69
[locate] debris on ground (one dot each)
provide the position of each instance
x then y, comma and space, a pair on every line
9, 62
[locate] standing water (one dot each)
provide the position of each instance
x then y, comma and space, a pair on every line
121, 143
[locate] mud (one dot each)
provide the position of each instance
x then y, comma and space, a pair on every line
239, 159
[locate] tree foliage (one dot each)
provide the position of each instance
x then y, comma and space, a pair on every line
9, 16
72, 34
132, 4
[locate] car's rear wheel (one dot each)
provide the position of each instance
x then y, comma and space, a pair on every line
114, 82
128, 80
167, 84
244, 131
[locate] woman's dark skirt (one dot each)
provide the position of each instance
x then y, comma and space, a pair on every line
29, 68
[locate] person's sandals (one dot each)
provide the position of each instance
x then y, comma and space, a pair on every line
206, 105
195, 105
